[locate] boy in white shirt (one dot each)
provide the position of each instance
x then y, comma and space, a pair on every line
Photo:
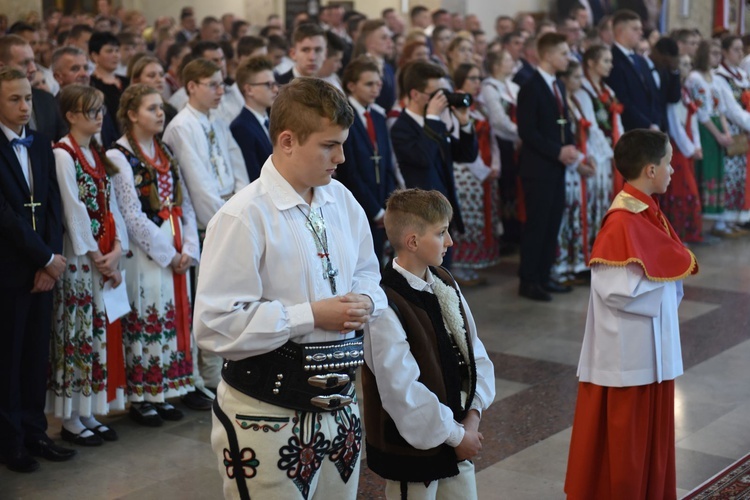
427, 377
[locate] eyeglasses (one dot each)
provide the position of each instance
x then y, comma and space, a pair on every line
269, 85
91, 114
213, 86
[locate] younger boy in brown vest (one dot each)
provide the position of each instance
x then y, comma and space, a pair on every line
427, 377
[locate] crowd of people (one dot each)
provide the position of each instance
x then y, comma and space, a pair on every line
155, 128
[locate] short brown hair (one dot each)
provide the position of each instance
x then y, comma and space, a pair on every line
197, 69
354, 70
250, 68
246, 45
131, 101
414, 209
307, 30
624, 16
7, 42
8, 74
303, 103
418, 73
637, 149
549, 41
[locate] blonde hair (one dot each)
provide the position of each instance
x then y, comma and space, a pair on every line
130, 101
414, 210
303, 103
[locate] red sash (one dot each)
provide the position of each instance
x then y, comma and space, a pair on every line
181, 302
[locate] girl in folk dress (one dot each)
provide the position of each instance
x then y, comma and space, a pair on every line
582, 181
714, 133
162, 228
86, 372
498, 99
682, 203
597, 65
478, 247
149, 71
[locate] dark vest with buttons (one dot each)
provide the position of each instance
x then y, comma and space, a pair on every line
388, 454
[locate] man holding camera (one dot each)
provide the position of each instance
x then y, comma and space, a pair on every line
424, 147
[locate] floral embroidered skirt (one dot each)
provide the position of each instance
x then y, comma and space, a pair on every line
571, 247
78, 344
154, 367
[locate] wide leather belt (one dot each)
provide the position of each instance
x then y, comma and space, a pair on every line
313, 377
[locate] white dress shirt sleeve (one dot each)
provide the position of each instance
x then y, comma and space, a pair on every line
732, 109
498, 118
677, 131
121, 229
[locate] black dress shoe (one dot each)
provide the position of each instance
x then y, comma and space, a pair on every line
91, 440
553, 287
168, 412
45, 448
20, 461
197, 400
145, 414
534, 292
105, 432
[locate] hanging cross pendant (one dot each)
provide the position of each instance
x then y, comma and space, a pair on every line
376, 158
562, 122
32, 205
331, 273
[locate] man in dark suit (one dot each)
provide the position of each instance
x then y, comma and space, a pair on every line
631, 78
15, 52
425, 149
665, 59
529, 60
308, 52
368, 168
547, 147
30, 263
250, 129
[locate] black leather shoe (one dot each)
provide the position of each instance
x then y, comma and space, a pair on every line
105, 432
20, 461
553, 287
145, 414
197, 400
45, 448
168, 412
534, 292
91, 440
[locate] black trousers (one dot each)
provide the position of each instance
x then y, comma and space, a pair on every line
545, 203
508, 183
24, 359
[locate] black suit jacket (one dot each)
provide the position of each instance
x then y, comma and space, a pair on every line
388, 92
670, 92
47, 117
254, 143
538, 115
635, 89
426, 155
285, 78
25, 250
358, 170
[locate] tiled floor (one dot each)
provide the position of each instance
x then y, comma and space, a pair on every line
527, 431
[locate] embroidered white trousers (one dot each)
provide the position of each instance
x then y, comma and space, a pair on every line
463, 486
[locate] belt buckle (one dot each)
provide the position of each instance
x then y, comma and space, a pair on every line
332, 402
328, 380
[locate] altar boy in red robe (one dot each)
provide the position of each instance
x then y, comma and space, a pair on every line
623, 443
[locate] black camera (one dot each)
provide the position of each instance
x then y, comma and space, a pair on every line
458, 99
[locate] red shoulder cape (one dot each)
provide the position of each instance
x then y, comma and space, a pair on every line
635, 231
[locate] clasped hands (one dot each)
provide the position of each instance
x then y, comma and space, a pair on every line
342, 313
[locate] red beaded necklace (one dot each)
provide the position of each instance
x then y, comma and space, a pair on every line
159, 162
97, 171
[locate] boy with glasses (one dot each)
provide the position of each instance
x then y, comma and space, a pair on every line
250, 129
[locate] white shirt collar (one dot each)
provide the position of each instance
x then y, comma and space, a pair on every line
202, 118
12, 135
361, 110
282, 193
417, 118
417, 283
627, 52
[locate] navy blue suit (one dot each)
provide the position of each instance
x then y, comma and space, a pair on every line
669, 92
284, 78
426, 155
542, 175
358, 172
26, 324
388, 93
523, 74
254, 143
635, 89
